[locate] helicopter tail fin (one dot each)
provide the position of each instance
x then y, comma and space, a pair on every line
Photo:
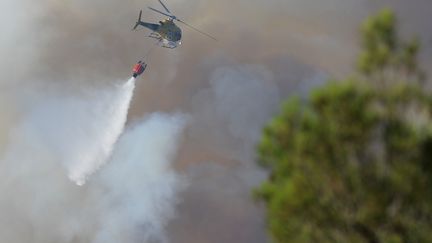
138, 22
153, 27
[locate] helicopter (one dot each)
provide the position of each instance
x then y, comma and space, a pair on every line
167, 32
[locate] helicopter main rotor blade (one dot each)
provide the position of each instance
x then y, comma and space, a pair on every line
165, 7
190, 26
171, 16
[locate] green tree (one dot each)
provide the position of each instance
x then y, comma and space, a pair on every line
354, 162
384, 54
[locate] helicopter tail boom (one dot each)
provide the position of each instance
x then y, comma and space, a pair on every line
153, 27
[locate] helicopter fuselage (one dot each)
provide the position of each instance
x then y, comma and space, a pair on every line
167, 32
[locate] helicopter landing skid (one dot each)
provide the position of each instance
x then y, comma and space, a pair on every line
155, 36
161, 42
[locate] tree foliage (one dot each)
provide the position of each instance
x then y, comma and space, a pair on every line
354, 162
383, 51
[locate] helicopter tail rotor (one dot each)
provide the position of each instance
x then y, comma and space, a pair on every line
138, 22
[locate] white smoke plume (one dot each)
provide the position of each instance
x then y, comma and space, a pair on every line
240, 99
139, 186
129, 200
81, 131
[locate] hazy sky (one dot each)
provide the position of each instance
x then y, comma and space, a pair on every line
266, 50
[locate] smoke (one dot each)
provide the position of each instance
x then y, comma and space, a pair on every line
227, 117
140, 188
129, 199
239, 101
291, 46
217, 205
81, 130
